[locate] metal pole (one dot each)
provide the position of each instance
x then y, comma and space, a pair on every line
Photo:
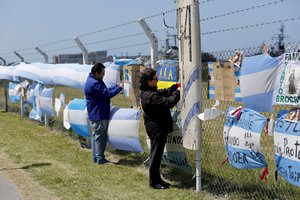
19, 56
5, 88
154, 42
191, 76
43, 54
46, 61
83, 50
21, 103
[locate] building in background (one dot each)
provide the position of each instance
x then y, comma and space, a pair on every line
94, 57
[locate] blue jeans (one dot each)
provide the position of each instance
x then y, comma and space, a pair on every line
99, 139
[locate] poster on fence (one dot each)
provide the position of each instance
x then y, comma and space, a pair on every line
242, 131
287, 85
131, 78
174, 154
224, 83
286, 145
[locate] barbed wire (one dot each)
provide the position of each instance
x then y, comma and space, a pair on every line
250, 26
165, 12
242, 10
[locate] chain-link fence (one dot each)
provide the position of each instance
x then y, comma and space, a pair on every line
225, 179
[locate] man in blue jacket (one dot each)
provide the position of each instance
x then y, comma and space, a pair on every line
98, 106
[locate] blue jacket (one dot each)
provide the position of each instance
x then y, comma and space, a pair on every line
98, 97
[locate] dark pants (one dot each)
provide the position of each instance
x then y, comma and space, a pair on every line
156, 152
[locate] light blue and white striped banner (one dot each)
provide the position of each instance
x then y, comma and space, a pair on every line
241, 138
123, 129
287, 148
258, 75
72, 75
78, 117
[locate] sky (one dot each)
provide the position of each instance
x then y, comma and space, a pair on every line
112, 25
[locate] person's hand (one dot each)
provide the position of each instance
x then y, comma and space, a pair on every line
173, 87
121, 84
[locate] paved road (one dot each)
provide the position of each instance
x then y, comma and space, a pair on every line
7, 190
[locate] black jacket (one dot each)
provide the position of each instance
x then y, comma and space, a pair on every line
156, 105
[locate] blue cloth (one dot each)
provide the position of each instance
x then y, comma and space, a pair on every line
98, 98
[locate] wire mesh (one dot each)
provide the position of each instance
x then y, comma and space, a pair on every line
224, 179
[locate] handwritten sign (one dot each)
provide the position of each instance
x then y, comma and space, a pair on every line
224, 82
287, 148
287, 85
174, 154
241, 138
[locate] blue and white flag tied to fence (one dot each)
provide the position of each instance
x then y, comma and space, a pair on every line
123, 129
78, 117
13, 96
36, 112
242, 131
258, 75
287, 148
46, 101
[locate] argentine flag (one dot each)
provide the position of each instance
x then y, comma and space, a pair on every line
242, 136
287, 150
258, 75
123, 129
78, 118
13, 97
46, 101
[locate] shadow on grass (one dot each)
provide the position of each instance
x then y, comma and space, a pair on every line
247, 190
131, 159
28, 166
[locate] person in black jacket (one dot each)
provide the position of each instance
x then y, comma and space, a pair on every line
156, 105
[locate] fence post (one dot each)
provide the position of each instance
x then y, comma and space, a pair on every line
83, 50
154, 42
46, 118
5, 88
19, 56
191, 78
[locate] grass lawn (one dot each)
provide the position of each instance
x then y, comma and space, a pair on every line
54, 158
